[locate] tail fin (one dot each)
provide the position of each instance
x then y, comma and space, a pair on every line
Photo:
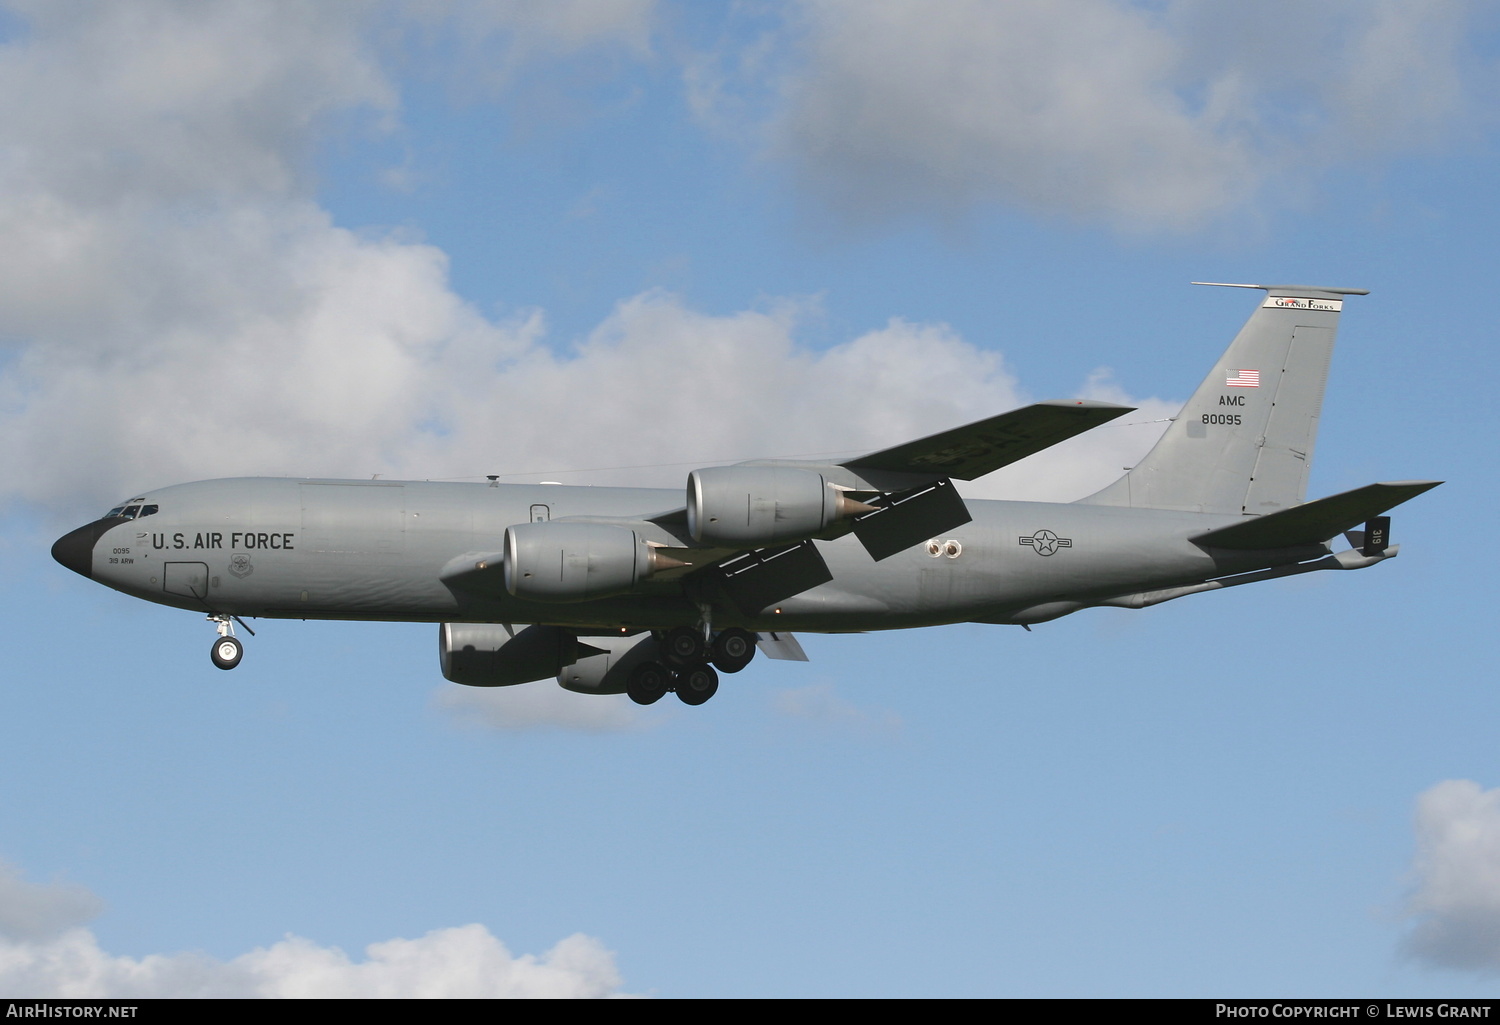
1244, 441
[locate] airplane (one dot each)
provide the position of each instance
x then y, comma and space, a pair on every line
645, 591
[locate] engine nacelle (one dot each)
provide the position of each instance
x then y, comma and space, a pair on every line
491, 655
608, 670
565, 562
761, 505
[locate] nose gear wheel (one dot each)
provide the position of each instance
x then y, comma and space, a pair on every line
227, 652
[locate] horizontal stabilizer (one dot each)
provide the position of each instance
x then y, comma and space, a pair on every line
986, 445
1317, 521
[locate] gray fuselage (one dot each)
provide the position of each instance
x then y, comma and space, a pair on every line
377, 550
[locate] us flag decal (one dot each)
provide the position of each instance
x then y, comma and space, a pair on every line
1243, 379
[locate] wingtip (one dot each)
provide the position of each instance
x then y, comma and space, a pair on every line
1418, 485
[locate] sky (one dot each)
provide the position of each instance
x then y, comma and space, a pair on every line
611, 241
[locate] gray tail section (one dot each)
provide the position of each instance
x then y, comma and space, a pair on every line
1244, 441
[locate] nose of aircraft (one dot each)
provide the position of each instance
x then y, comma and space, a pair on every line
75, 549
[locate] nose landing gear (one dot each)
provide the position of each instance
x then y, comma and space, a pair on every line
227, 650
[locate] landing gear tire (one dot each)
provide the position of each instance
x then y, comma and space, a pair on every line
696, 684
648, 682
226, 652
683, 646
733, 649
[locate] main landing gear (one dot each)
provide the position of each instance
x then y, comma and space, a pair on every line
648, 682
685, 667
227, 650
733, 649
697, 683
694, 683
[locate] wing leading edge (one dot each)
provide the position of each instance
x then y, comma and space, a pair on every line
985, 446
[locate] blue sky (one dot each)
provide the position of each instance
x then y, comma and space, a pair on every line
543, 239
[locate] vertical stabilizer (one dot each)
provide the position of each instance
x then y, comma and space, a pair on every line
1244, 441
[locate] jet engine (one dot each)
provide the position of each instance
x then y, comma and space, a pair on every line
494, 655
565, 562
762, 505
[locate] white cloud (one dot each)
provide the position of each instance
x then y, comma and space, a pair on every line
1084, 464
42, 911
462, 962
178, 307
1457, 898
661, 381
540, 705
1061, 106
1356, 77
1156, 117
819, 705
158, 102
46, 951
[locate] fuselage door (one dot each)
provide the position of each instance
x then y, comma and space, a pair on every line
540, 514
188, 579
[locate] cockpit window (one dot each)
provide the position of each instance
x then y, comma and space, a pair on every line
133, 510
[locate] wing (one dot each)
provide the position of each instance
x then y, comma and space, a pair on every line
916, 501
986, 445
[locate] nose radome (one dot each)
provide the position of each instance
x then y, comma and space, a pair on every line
75, 549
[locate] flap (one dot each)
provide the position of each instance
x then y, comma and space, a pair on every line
780, 645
